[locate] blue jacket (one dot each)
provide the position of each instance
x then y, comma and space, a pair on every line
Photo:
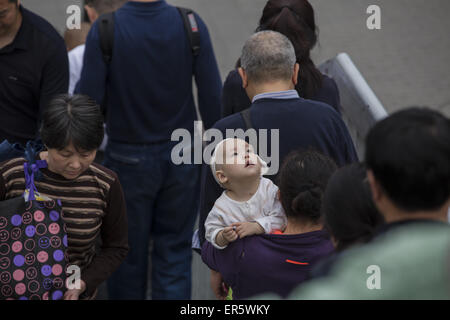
149, 81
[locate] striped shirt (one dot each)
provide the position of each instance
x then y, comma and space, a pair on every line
92, 204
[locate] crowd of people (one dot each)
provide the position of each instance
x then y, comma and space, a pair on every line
309, 231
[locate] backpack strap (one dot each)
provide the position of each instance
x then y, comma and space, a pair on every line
246, 115
191, 27
106, 33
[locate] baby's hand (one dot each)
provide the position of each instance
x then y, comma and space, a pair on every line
244, 229
226, 236
229, 234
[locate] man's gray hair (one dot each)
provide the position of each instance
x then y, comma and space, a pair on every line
268, 56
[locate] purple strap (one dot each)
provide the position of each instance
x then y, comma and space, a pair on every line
30, 170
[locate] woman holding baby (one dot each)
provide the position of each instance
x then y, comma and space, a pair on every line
273, 247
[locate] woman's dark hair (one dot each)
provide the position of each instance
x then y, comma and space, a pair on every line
350, 215
73, 119
295, 19
302, 181
409, 155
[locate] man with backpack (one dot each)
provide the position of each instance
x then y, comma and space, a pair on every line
145, 74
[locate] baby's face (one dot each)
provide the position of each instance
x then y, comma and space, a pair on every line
239, 160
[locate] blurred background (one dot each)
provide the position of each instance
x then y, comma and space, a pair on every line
406, 62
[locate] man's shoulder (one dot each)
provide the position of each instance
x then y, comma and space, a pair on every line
42, 26
233, 121
318, 106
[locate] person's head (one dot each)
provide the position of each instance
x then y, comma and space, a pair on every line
295, 19
9, 14
347, 207
75, 37
268, 60
234, 161
408, 161
95, 8
72, 131
302, 181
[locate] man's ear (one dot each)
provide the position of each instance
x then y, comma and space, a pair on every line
244, 77
295, 74
91, 12
375, 187
221, 177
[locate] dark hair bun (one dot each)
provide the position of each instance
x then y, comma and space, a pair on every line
307, 203
302, 181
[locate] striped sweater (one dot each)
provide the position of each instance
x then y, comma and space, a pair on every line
92, 205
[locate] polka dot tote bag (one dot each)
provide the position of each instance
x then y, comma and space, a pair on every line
33, 244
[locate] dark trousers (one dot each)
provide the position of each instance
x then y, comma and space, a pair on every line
162, 201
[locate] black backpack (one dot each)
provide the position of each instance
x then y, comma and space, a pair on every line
106, 32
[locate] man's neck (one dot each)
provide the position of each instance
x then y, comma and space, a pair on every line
396, 215
277, 86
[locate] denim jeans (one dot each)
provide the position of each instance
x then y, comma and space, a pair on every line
10, 151
162, 201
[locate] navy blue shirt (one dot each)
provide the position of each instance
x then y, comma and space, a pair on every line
302, 124
235, 99
149, 81
33, 68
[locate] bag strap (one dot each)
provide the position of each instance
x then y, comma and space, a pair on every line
191, 27
246, 115
106, 34
30, 170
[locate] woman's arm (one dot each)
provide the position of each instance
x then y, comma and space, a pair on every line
114, 233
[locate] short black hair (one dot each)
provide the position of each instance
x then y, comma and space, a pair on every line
409, 155
302, 181
349, 213
73, 119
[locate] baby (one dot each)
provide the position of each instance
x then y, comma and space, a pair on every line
250, 204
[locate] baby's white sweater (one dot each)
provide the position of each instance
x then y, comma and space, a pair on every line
263, 207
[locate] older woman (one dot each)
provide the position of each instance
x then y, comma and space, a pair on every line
91, 195
279, 262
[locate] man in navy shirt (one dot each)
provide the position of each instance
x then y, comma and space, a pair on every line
149, 87
269, 72
33, 68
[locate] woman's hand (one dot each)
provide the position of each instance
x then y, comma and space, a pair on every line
219, 287
74, 294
